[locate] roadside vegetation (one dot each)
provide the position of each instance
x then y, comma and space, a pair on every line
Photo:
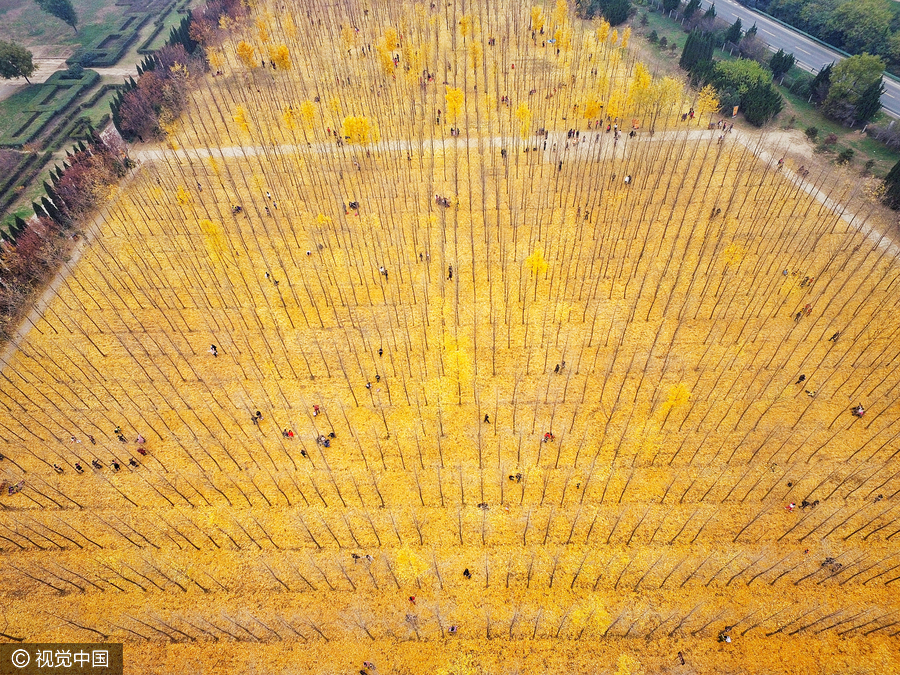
836, 105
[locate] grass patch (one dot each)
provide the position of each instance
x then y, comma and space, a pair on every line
27, 25
806, 115
665, 28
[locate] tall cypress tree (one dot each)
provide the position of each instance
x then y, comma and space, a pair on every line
698, 48
733, 34
870, 101
821, 83
892, 187
691, 8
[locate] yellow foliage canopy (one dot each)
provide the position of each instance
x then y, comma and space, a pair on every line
465, 25
641, 85
536, 261
289, 115
603, 31
213, 58
281, 57
357, 130
678, 396
214, 240
287, 24
708, 100
246, 53
537, 18
262, 30
591, 109
455, 100
524, 115
560, 12
308, 113
183, 196
475, 53
240, 116
385, 58
409, 566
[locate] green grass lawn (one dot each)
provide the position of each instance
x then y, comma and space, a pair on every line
13, 110
99, 109
664, 27
21, 21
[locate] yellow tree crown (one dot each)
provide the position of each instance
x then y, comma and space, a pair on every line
536, 261
246, 53
455, 100
281, 57
357, 130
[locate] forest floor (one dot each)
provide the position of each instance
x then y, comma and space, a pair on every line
590, 403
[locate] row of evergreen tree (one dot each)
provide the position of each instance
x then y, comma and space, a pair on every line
744, 83
179, 35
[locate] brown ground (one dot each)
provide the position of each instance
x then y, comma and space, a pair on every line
656, 517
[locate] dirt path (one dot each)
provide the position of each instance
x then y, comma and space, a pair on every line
768, 146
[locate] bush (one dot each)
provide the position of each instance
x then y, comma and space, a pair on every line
830, 139
759, 98
870, 164
653, 38
614, 11
728, 98
645, 20
845, 156
663, 41
73, 72
812, 133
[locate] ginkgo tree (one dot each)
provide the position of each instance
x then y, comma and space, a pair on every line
506, 400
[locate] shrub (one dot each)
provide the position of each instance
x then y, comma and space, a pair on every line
663, 41
830, 139
870, 164
812, 133
74, 72
653, 37
845, 156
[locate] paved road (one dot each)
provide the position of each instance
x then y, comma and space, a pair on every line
810, 55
